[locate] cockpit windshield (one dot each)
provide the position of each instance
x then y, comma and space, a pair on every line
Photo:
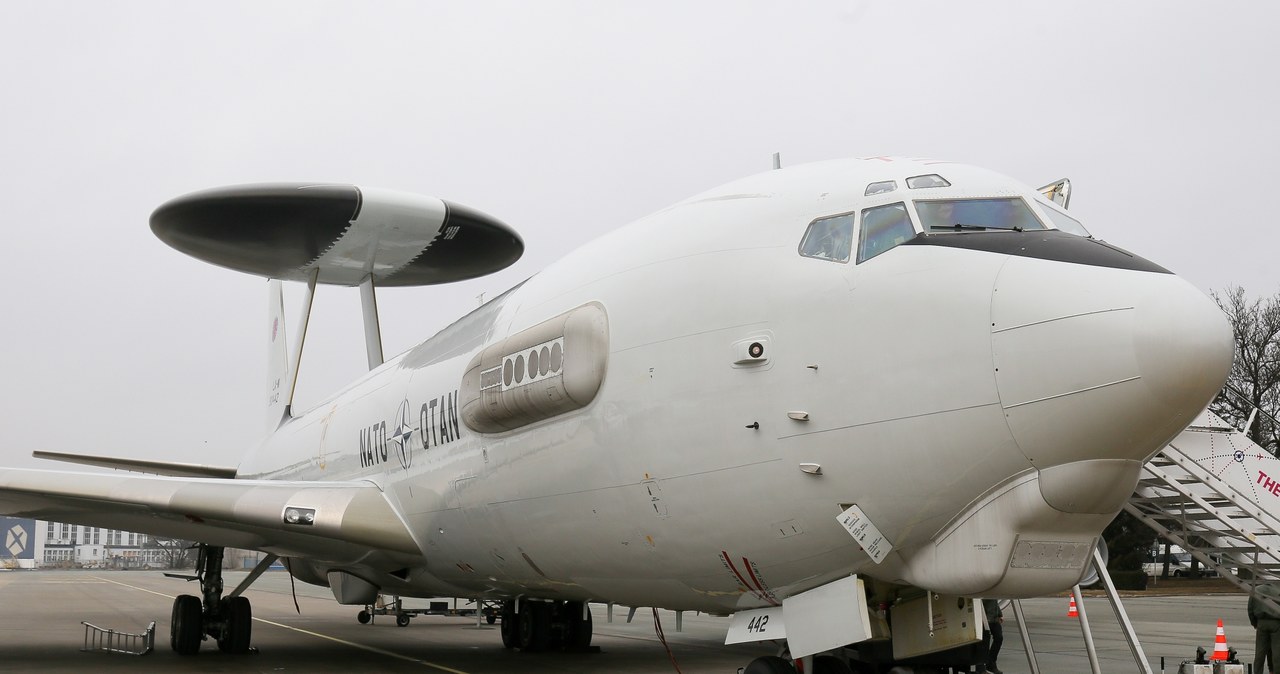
1066, 223
976, 215
883, 227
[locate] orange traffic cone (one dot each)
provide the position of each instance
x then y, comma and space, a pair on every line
1071, 609
1220, 644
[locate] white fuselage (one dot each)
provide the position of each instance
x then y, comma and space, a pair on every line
986, 411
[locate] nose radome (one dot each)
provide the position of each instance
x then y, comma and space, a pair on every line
1184, 346
1102, 363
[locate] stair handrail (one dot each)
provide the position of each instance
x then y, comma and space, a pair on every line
1253, 414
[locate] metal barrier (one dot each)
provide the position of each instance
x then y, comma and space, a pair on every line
110, 641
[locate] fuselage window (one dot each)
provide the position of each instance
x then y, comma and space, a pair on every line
1066, 223
829, 238
976, 215
883, 227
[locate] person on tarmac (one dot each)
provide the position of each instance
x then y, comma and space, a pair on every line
1266, 620
994, 634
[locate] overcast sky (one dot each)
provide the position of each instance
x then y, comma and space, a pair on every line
565, 120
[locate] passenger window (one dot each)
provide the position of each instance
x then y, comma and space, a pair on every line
883, 227
829, 238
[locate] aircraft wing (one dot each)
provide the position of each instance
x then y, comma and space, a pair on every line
348, 520
142, 465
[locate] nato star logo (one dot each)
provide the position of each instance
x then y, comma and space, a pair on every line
403, 435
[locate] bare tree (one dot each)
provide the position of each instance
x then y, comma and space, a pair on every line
1254, 382
175, 551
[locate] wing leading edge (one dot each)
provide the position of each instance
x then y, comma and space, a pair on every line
351, 520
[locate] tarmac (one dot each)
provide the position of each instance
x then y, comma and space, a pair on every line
41, 630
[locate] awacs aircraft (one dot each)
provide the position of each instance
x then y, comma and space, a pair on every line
837, 400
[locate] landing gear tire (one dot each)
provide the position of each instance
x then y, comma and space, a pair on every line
510, 627
578, 626
535, 626
402, 620
229, 620
769, 664
186, 626
491, 619
237, 627
363, 617
545, 625
829, 664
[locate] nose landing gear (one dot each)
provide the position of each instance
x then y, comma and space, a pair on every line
229, 620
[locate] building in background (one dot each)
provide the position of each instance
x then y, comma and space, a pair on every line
32, 544
78, 546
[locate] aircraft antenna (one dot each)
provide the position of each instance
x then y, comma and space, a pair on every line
777, 160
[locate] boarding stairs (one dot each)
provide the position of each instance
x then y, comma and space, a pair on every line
1216, 494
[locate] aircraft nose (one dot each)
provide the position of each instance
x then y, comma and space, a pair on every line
1102, 363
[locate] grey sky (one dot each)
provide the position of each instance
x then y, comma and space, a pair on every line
566, 120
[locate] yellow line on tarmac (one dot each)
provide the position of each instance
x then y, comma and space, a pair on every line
363, 647
108, 580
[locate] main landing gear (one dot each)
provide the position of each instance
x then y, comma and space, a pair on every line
534, 626
229, 620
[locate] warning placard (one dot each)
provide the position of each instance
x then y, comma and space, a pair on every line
865, 533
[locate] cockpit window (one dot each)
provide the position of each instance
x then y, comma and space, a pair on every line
931, 180
1066, 223
976, 215
883, 227
829, 238
880, 188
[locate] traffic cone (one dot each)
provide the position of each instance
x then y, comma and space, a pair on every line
1220, 645
1071, 609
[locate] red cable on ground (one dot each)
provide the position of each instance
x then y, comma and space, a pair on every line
657, 627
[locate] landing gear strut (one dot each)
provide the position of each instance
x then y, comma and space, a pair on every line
229, 620
534, 626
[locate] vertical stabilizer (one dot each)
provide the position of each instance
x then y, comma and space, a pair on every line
278, 380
